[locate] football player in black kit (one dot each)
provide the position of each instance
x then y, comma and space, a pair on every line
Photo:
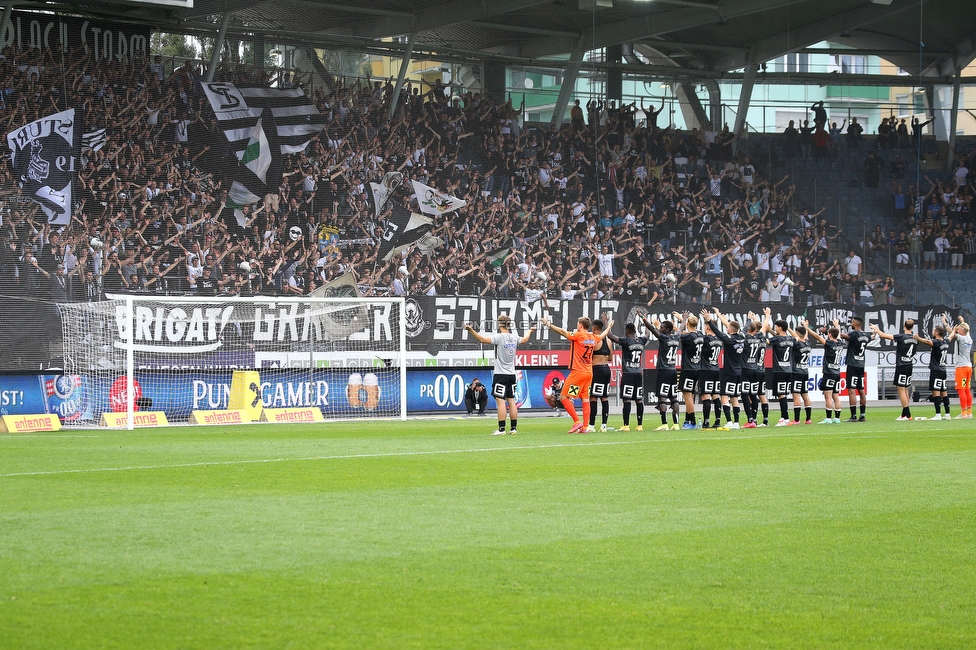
830, 382
782, 346
801, 374
754, 370
905, 346
730, 377
857, 344
692, 342
709, 380
600, 388
632, 377
938, 382
666, 385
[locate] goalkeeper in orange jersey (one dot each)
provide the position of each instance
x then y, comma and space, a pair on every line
577, 385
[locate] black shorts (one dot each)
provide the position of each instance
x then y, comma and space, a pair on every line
800, 381
502, 386
600, 388
709, 382
830, 383
903, 376
754, 381
688, 381
856, 379
666, 384
730, 385
632, 386
782, 383
938, 381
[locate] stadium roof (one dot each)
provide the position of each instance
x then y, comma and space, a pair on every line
706, 38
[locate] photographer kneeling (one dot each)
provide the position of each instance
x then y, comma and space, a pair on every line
475, 396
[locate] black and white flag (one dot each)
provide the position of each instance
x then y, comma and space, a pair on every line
294, 116
44, 155
403, 230
93, 141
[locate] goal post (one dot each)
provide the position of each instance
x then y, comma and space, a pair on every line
180, 356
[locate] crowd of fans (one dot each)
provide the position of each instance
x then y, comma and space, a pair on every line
606, 206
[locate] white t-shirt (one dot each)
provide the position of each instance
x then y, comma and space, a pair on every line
853, 265
505, 346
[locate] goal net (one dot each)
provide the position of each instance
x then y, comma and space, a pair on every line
344, 356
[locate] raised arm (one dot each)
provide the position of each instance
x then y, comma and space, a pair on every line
528, 335
555, 328
478, 336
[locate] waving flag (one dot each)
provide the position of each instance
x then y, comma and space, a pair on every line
382, 190
294, 117
435, 202
43, 157
403, 230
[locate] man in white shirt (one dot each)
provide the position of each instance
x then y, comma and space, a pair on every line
853, 264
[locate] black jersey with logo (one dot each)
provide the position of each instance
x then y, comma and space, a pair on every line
905, 350
711, 353
782, 347
691, 350
632, 354
857, 345
801, 356
667, 351
734, 346
940, 355
833, 351
754, 357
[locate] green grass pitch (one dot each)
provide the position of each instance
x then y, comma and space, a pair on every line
433, 534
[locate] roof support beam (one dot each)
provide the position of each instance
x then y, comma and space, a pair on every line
745, 97
654, 23
404, 65
953, 120
218, 46
780, 44
505, 27
962, 55
568, 85
444, 15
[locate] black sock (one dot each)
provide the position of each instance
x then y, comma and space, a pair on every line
906, 412
674, 412
717, 405
728, 412
784, 408
514, 425
626, 413
945, 403
854, 411
664, 415
735, 414
501, 425
796, 413
809, 412
605, 410
640, 414
592, 412
706, 409
765, 410
829, 414
863, 406
837, 414
938, 405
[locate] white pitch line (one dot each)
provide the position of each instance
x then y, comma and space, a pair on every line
394, 454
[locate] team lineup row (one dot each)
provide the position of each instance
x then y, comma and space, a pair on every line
725, 363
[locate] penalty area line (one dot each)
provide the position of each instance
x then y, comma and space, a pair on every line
431, 452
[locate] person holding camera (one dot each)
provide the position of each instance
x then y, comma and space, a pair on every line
476, 397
